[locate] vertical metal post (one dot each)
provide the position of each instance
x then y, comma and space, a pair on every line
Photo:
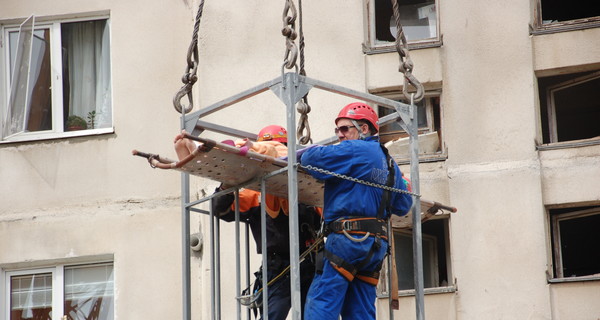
218, 266
263, 241
290, 81
186, 282
247, 234
212, 263
389, 272
417, 244
237, 254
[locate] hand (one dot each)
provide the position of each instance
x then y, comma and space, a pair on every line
179, 136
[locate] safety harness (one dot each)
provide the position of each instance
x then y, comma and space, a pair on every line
368, 227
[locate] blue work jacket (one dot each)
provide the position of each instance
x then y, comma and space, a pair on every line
361, 159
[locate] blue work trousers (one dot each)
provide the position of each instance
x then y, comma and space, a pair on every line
331, 294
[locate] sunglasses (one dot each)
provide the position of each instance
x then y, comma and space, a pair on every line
343, 129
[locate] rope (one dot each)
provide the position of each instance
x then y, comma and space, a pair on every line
302, 107
189, 77
367, 183
406, 64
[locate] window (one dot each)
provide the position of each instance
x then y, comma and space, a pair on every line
62, 292
436, 257
569, 107
576, 241
557, 15
430, 130
418, 18
57, 76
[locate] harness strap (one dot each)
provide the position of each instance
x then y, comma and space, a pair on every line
385, 197
350, 271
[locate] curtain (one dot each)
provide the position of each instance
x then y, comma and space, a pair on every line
87, 52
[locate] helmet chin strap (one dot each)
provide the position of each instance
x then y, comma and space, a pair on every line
361, 135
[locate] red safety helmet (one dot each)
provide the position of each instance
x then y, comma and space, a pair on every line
359, 111
273, 132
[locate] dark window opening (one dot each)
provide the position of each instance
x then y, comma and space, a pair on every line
576, 241
570, 106
435, 268
557, 11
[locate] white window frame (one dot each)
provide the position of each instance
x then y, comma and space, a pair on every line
54, 25
372, 45
58, 285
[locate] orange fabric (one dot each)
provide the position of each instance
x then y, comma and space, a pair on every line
248, 199
345, 273
368, 280
275, 204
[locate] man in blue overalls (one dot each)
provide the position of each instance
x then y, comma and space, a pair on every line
356, 216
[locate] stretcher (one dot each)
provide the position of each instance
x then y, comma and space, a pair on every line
233, 166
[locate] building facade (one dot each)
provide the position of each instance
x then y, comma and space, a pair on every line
508, 127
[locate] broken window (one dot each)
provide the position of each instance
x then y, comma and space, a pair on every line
84, 292
430, 131
562, 15
576, 241
418, 18
436, 257
58, 79
570, 107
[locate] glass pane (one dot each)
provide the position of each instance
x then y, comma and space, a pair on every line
40, 101
418, 19
20, 48
31, 297
89, 292
86, 75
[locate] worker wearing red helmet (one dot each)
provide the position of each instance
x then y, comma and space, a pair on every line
272, 141
355, 214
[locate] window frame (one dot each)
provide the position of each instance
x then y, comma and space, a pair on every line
372, 46
539, 28
556, 274
429, 128
53, 23
382, 287
58, 285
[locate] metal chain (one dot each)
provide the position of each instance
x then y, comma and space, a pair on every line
190, 77
367, 183
303, 130
406, 64
289, 21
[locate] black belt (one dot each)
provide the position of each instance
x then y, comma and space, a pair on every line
359, 225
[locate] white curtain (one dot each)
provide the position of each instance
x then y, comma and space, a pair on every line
87, 46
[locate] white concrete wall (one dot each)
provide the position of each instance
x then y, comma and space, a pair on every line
90, 197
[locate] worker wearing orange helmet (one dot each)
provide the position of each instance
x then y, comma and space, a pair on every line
272, 141
355, 215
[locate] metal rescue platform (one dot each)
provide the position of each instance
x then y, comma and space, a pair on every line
240, 168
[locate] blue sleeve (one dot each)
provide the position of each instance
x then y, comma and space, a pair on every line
332, 158
401, 202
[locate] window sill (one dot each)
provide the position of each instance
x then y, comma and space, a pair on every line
33, 137
427, 291
595, 277
569, 144
424, 158
391, 47
564, 26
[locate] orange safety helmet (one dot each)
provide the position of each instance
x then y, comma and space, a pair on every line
359, 111
273, 132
